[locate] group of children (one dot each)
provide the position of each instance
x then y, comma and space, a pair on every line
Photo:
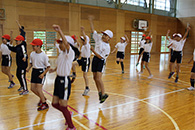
69, 51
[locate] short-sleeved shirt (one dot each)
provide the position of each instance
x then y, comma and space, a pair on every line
23, 33
141, 43
194, 55
178, 45
64, 62
147, 47
101, 48
4, 49
85, 50
39, 60
121, 46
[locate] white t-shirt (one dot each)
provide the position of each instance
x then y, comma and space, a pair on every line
102, 48
178, 46
57, 46
170, 42
39, 60
121, 46
147, 47
194, 55
4, 49
85, 50
141, 43
64, 62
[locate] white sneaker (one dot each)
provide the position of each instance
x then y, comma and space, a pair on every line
141, 72
150, 76
86, 92
191, 88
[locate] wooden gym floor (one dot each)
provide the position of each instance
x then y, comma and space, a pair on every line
135, 102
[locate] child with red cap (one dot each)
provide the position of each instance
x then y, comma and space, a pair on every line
146, 56
39, 61
21, 62
6, 59
102, 51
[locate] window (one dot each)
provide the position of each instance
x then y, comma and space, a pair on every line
135, 39
162, 4
164, 44
136, 2
48, 39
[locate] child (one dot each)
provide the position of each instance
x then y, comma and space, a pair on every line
40, 63
146, 56
75, 46
121, 51
6, 59
84, 62
62, 86
21, 62
21, 29
177, 46
141, 44
192, 73
102, 50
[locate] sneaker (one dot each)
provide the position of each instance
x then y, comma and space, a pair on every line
144, 67
149, 77
104, 97
20, 89
39, 103
191, 88
100, 95
11, 85
24, 92
137, 64
123, 72
86, 92
70, 128
171, 74
71, 113
176, 79
141, 72
43, 107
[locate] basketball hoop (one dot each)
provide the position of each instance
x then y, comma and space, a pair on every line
144, 28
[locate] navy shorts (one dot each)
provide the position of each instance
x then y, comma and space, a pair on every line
84, 63
98, 65
6, 60
146, 57
177, 55
35, 76
141, 50
62, 87
120, 55
193, 68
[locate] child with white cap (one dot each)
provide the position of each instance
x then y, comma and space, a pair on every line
120, 47
84, 62
192, 77
102, 51
177, 46
141, 45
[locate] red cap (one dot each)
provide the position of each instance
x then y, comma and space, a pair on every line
19, 38
143, 35
37, 42
73, 37
6, 36
148, 38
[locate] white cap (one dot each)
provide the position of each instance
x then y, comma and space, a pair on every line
68, 38
123, 38
179, 35
174, 34
109, 33
87, 38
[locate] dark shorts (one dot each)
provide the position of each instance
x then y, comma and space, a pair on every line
84, 63
120, 55
76, 52
62, 87
177, 55
141, 50
193, 68
6, 60
146, 57
35, 76
98, 65
171, 52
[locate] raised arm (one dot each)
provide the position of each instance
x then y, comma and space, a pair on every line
83, 33
186, 33
18, 24
167, 36
91, 22
64, 41
127, 39
11, 37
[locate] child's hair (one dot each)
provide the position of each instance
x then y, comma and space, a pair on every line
6, 39
22, 27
